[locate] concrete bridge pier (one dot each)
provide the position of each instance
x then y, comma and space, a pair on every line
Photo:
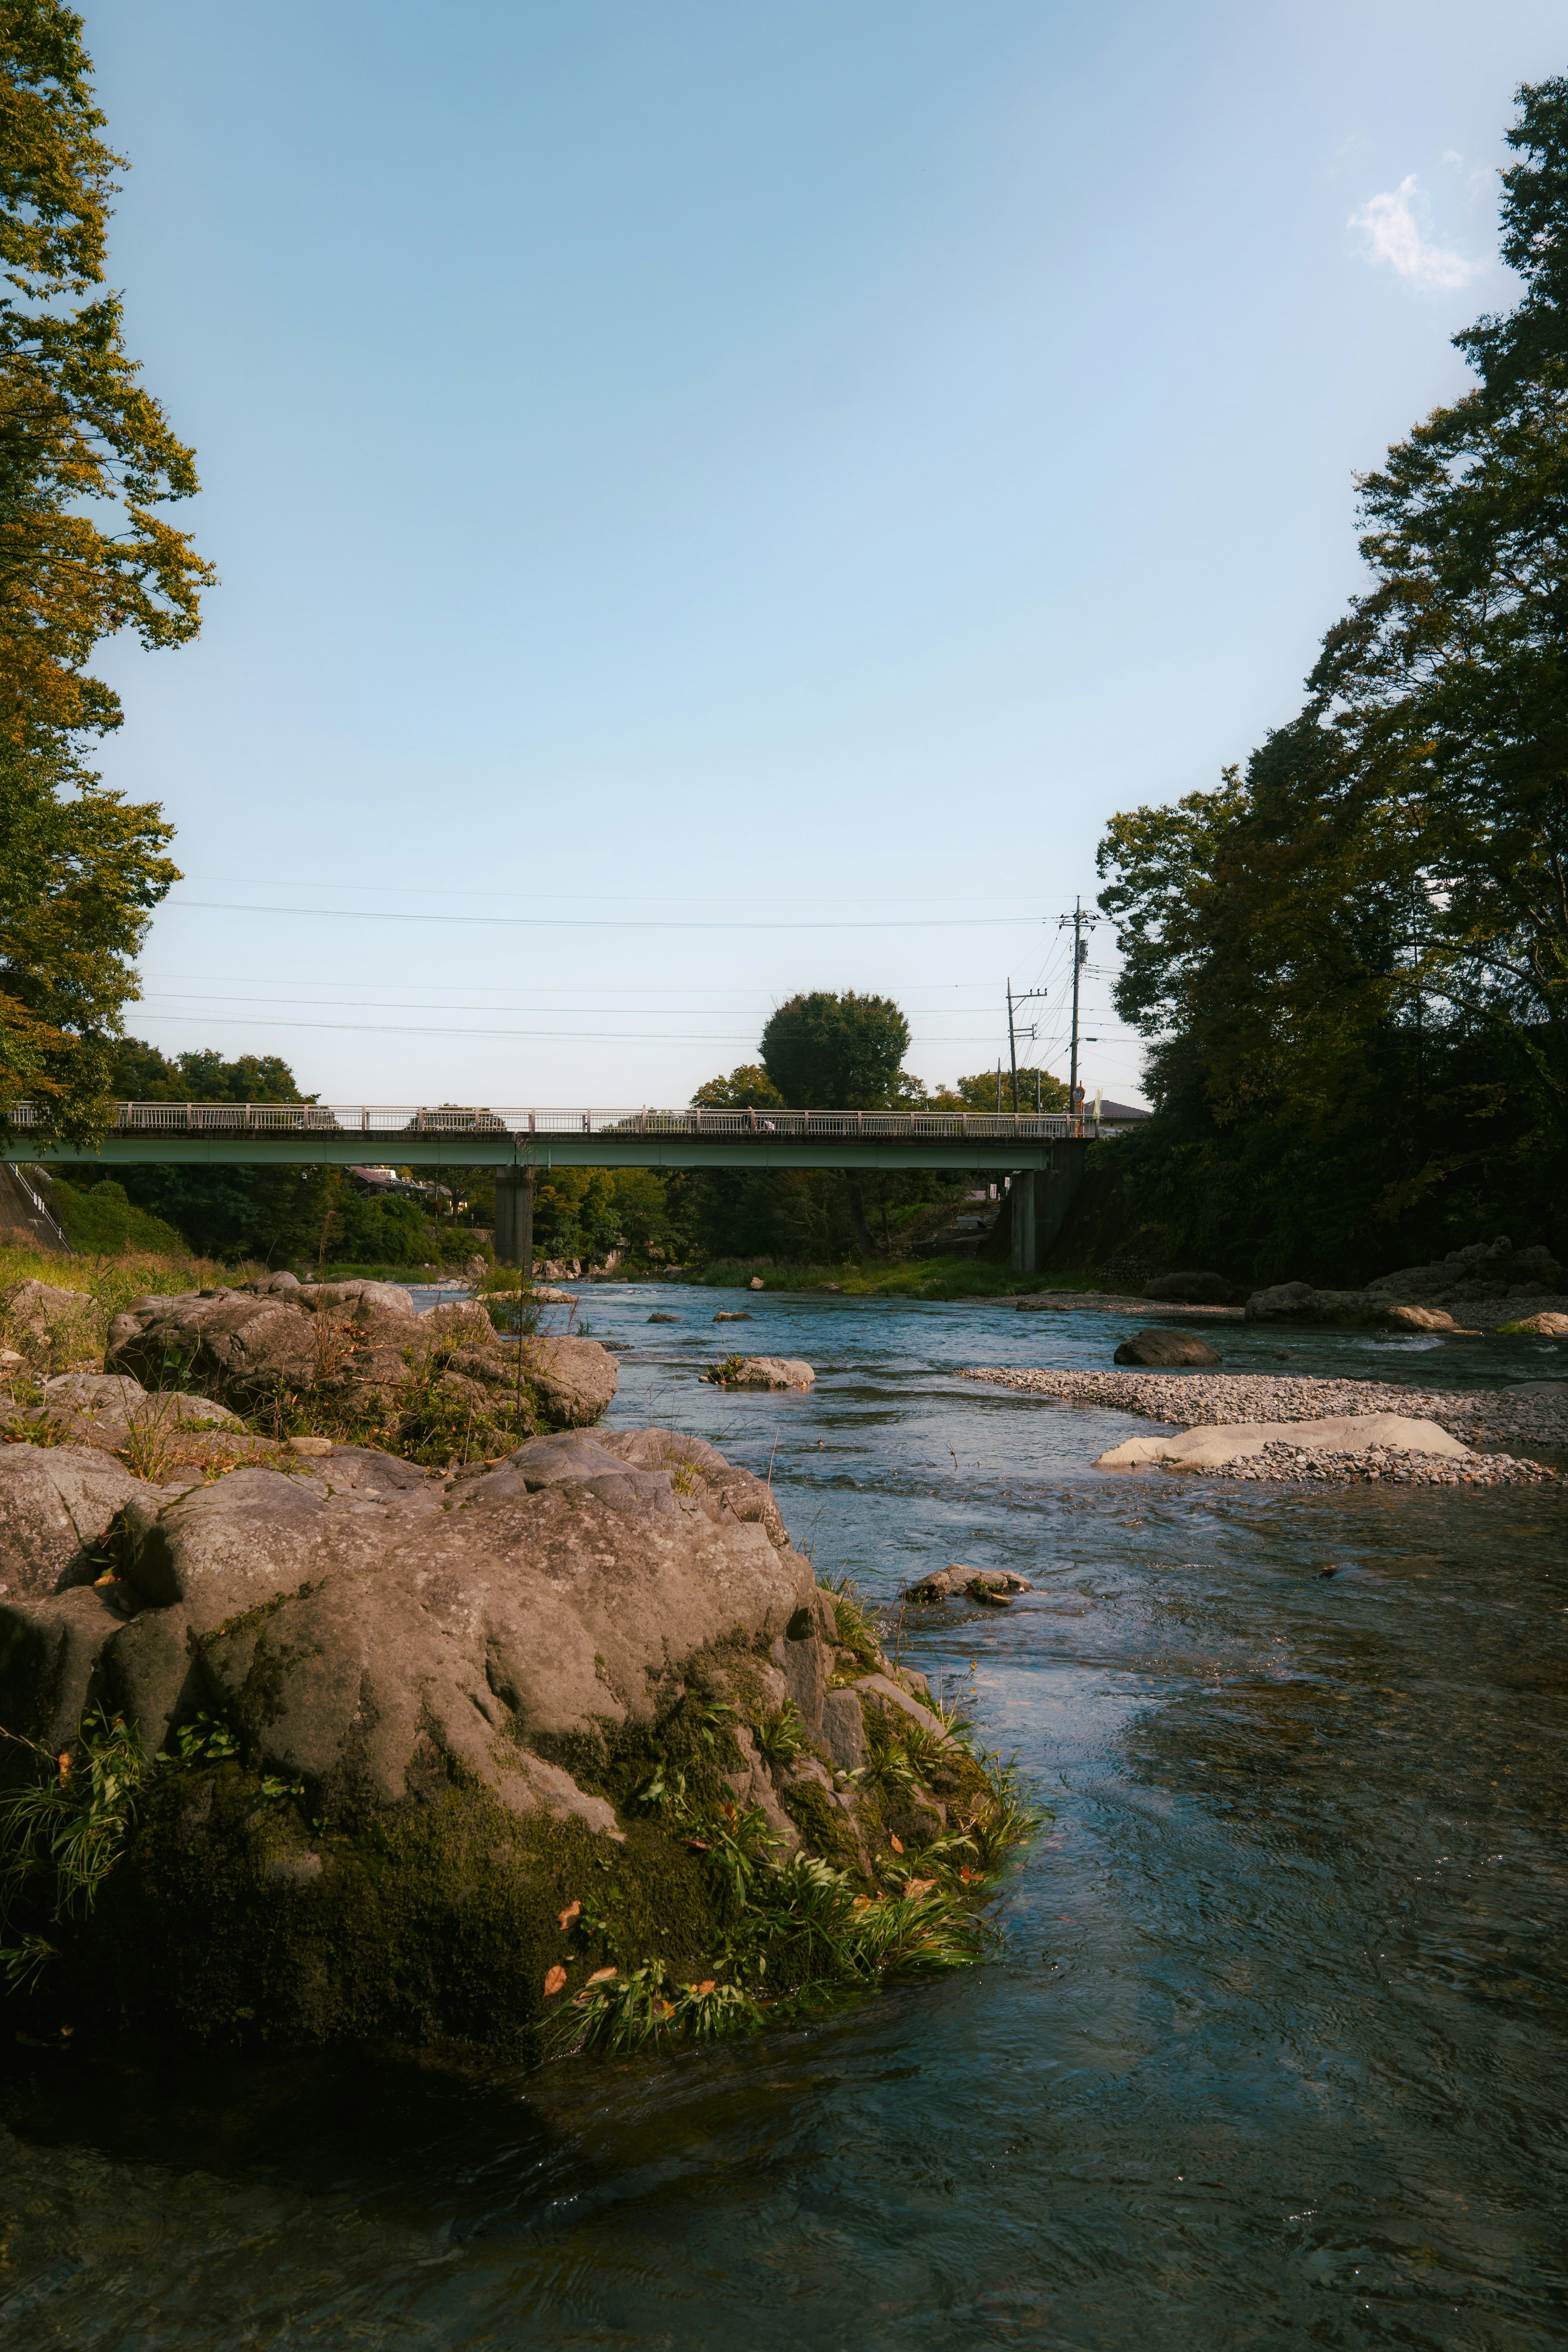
514, 1219
1040, 1198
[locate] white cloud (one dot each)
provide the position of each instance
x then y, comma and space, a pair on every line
1393, 234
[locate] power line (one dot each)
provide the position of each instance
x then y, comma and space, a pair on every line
604, 922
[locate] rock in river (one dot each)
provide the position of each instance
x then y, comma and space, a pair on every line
760, 1373
1166, 1347
417, 1725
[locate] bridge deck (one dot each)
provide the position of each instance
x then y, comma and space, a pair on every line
443, 1135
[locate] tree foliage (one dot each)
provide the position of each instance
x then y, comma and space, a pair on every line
87, 457
1352, 961
827, 1052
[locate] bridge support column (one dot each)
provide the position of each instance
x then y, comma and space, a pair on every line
1023, 1257
1041, 1197
514, 1219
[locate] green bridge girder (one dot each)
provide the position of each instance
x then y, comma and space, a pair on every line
304, 1135
544, 1151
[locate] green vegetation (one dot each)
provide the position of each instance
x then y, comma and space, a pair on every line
89, 456
187, 1887
1350, 962
61, 1834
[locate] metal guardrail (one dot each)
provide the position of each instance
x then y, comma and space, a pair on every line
390, 1119
43, 1212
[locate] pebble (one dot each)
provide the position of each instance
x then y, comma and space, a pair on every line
1191, 1400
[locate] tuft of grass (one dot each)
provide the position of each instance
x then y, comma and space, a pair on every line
780, 1735
857, 1629
61, 1834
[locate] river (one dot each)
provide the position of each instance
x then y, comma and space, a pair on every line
1271, 2049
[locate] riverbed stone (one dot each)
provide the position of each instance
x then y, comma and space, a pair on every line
763, 1373
1166, 1348
946, 1583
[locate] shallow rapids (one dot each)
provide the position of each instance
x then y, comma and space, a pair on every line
1272, 2049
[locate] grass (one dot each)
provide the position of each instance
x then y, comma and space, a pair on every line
926, 1277
800, 1931
61, 1834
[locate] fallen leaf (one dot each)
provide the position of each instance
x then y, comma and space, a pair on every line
968, 1876
555, 1981
896, 1844
603, 1976
707, 1985
863, 1902
697, 1845
571, 1913
913, 1886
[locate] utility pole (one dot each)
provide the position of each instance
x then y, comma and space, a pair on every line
1013, 1004
1081, 923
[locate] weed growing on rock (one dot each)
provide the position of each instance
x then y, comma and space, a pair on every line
780, 1735
60, 1836
856, 1629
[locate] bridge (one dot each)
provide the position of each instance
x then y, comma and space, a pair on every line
1043, 1152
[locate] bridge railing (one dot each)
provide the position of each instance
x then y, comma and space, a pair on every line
388, 1121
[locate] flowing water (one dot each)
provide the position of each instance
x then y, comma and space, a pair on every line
1271, 2052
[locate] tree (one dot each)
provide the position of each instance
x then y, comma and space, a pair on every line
979, 1092
1352, 964
86, 455
248, 1210
825, 1052
749, 1087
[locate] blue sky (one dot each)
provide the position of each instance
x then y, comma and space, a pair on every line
712, 500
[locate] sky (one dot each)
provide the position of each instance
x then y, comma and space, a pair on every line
714, 502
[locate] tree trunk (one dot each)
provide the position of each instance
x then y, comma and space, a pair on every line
863, 1241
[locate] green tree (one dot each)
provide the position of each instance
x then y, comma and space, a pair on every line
825, 1052
979, 1092
86, 457
749, 1087
276, 1214
1352, 963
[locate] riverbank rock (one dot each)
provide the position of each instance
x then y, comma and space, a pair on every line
1496, 1284
1166, 1348
1545, 1325
1194, 1290
58, 1505
355, 1356
420, 1725
760, 1373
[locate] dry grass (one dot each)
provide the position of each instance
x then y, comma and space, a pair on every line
74, 1341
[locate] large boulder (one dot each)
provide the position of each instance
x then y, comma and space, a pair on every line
1484, 1277
1298, 1302
57, 1507
1194, 1290
1484, 1270
413, 1721
1166, 1348
356, 1354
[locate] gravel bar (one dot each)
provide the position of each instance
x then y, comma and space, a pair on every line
1478, 1418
